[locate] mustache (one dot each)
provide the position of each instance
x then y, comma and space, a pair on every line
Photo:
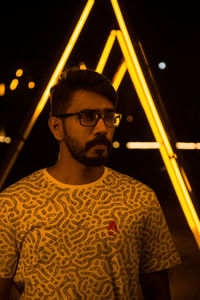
101, 140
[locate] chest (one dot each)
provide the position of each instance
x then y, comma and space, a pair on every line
81, 224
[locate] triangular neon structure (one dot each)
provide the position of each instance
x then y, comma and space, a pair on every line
131, 64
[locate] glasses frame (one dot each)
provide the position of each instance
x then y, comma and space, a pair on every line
99, 114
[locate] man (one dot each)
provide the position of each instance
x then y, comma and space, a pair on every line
80, 230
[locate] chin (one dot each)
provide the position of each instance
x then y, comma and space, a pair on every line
94, 161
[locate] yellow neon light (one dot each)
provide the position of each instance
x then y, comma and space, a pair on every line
119, 75
143, 145
60, 65
186, 179
188, 146
106, 51
182, 193
179, 145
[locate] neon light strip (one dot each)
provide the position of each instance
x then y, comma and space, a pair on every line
142, 145
104, 57
155, 145
106, 51
119, 75
188, 146
182, 193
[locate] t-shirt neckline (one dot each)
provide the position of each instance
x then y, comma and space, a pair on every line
65, 185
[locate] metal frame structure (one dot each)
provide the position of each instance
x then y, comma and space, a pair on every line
130, 63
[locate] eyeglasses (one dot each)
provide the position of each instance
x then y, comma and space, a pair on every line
90, 118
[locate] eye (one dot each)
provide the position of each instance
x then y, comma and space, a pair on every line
88, 116
110, 116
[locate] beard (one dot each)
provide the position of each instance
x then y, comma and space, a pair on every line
80, 153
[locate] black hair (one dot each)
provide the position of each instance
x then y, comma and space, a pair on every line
74, 79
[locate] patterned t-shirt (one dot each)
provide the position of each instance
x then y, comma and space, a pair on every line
88, 241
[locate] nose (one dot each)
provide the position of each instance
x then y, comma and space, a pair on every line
100, 127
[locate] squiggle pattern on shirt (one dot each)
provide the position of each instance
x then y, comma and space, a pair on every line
56, 239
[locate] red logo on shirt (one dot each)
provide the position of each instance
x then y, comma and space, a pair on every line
112, 228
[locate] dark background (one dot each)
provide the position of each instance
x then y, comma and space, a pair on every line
33, 37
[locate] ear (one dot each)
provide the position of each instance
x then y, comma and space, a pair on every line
56, 127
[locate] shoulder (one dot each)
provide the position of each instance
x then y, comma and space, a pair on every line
27, 183
133, 189
128, 180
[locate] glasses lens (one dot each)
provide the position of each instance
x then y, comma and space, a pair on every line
88, 118
111, 119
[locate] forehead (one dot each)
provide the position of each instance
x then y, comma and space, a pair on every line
83, 99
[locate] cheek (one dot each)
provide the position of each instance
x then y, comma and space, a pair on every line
77, 132
69, 128
111, 134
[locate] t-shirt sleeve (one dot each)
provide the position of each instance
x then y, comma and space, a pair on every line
158, 249
8, 244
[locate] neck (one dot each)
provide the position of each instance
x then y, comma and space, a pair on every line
74, 173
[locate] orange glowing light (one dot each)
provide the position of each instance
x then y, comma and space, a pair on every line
31, 84
14, 84
19, 72
2, 89
82, 66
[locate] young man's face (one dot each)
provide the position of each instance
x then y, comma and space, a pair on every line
88, 145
